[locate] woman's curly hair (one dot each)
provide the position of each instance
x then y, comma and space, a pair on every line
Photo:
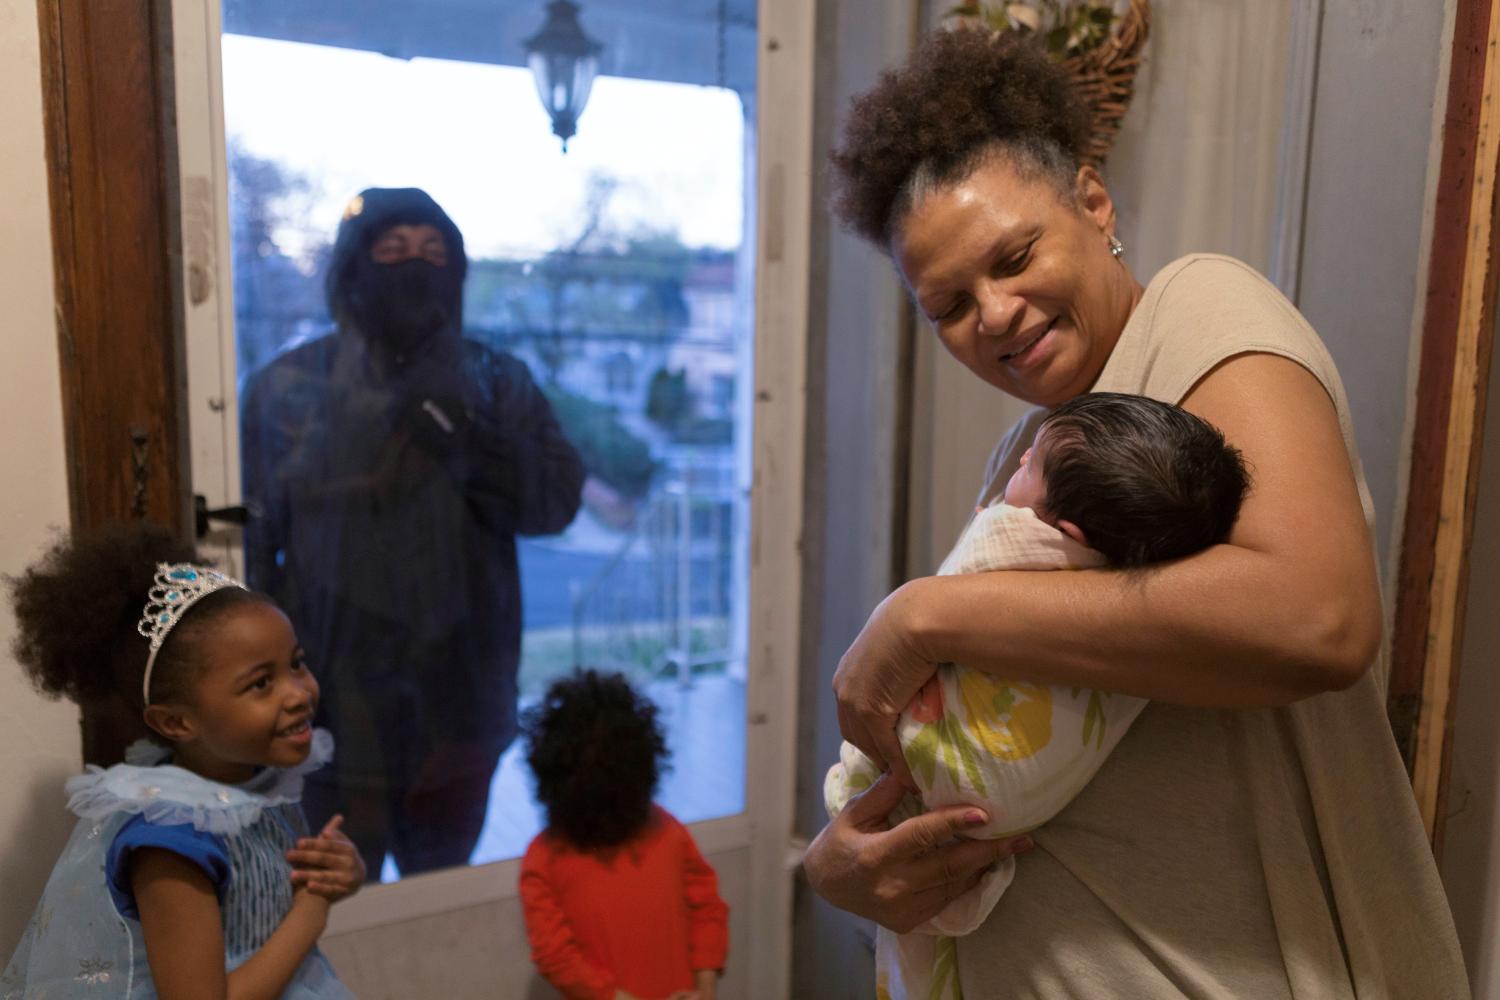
78, 606
964, 95
597, 750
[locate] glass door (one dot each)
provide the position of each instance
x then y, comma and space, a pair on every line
476, 389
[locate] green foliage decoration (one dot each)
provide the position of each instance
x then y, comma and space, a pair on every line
1066, 28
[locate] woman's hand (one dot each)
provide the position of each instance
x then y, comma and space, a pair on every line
327, 865
901, 876
878, 676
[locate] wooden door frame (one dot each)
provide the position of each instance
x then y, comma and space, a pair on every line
1447, 437
112, 177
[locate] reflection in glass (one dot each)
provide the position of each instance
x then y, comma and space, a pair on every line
563, 62
392, 463
617, 278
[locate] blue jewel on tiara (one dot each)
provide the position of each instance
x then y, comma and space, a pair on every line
176, 588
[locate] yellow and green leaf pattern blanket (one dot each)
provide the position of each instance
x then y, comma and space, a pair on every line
1020, 751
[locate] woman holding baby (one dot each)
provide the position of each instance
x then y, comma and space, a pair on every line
1253, 835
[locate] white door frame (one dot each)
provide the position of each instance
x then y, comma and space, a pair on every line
784, 104
208, 280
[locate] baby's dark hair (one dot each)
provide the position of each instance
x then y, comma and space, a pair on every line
597, 751
1146, 481
964, 96
78, 606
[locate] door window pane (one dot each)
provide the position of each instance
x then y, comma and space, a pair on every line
495, 428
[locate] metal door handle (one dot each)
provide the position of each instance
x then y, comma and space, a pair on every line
202, 514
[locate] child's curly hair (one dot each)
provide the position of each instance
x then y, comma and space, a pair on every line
78, 606
965, 95
597, 751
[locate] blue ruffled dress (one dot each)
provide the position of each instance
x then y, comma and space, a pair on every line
84, 940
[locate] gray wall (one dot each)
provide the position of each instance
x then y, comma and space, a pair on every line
1362, 252
856, 326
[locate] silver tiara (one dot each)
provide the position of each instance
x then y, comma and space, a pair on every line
177, 587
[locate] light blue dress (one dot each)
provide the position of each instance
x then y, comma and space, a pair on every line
82, 944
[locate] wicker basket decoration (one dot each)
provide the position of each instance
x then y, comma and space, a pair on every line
1099, 46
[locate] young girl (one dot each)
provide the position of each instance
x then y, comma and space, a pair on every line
619, 904
190, 872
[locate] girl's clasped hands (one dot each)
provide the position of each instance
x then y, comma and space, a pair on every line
327, 865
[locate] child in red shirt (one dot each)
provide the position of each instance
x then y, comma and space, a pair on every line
619, 903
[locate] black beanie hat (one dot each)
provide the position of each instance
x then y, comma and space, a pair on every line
372, 212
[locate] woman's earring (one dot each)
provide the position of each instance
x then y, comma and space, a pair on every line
1116, 248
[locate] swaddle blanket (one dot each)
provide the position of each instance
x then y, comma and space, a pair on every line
1019, 751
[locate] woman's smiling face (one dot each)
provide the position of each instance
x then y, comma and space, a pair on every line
1018, 279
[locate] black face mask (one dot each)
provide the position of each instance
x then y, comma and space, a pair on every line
400, 306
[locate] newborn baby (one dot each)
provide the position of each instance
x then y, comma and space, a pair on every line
1110, 479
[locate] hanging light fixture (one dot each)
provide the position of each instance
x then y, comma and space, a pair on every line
564, 62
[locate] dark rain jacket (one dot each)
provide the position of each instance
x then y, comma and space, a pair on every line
386, 492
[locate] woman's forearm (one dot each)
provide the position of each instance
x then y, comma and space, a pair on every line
266, 974
1227, 628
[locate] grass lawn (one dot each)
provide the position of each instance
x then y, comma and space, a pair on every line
639, 650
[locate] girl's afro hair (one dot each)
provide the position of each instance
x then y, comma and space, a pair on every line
596, 749
77, 608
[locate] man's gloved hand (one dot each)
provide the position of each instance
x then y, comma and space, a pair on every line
435, 407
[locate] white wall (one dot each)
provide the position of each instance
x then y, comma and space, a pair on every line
39, 744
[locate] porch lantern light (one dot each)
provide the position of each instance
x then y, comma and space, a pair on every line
564, 62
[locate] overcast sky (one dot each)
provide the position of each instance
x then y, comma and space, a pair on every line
476, 137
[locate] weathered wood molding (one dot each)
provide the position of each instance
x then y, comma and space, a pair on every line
110, 141
110, 129
1457, 338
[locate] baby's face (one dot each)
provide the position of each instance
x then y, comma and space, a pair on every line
1027, 488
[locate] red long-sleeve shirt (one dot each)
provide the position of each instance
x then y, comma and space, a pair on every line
642, 917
